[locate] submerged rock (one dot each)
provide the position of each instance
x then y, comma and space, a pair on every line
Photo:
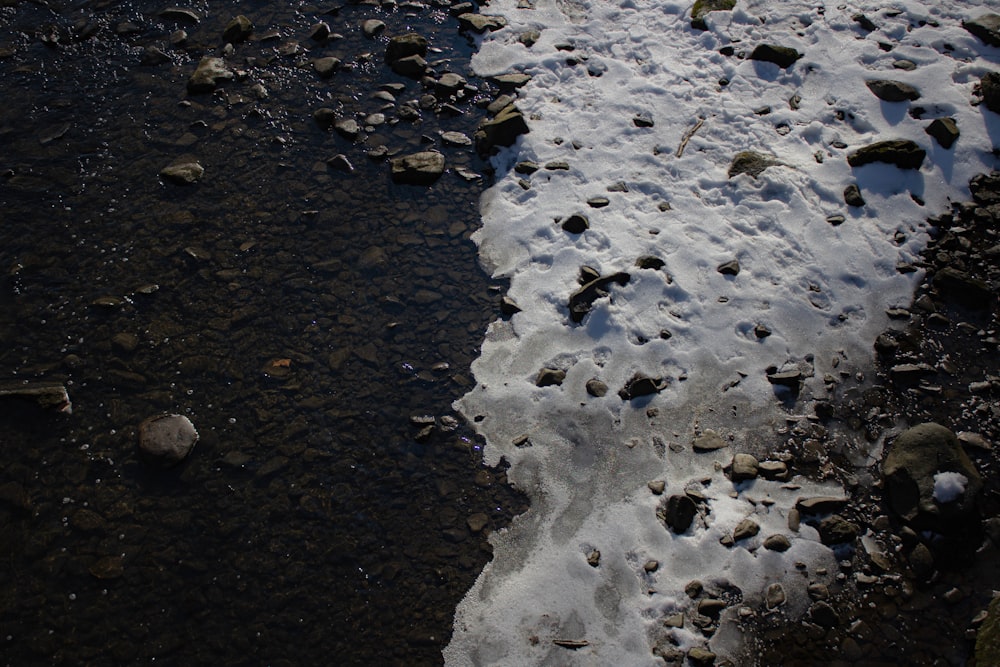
238, 29
210, 73
903, 153
166, 440
418, 169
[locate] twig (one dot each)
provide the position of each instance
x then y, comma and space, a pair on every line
688, 135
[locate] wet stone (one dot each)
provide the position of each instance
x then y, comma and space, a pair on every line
167, 439
418, 168
238, 29
183, 173
210, 73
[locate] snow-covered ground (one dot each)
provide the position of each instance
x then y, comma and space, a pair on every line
820, 287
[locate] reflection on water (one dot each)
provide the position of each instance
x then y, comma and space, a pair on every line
297, 313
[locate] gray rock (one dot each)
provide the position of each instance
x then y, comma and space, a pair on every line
237, 30
782, 56
401, 46
340, 163
347, 128
791, 379
372, 27
915, 457
449, 84
548, 377
596, 388
320, 31
166, 440
480, 23
582, 300
418, 169
749, 162
182, 173
944, 130
744, 466
892, 91
701, 657
730, 268
325, 117
208, 75
903, 153
701, 9
820, 504
986, 28
852, 195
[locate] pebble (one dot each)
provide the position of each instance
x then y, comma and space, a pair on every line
167, 439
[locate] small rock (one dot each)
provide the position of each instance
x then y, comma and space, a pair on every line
501, 130
837, 530
642, 120
641, 385
372, 27
326, 67
944, 130
701, 9
319, 32
657, 486
821, 504
347, 128
774, 596
480, 23
477, 522
237, 30
777, 542
418, 169
678, 513
744, 529
730, 268
47, 395
744, 466
184, 173
594, 558
167, 439
709, 441
576, 224
340, 163
782, 56
852, 195
550, 376
701, 657
986, 28
892, 91
208, 75
596, 388
749, 162
921, 562
823, 614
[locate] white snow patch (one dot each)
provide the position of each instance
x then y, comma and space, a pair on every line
821, 290
949, 486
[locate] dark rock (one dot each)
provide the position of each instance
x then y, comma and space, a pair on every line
782, 56
915, 457
749, 162
320, 31
909, 374
448, 84
990, 86
347, 128
986, 28
701, 9
512, 80
988, 635
582, 300
921, 562
372, 27
650, 262
892, 91
641, 385
678, 513
824, 615
944, 130
208, 75
701, 657
501, 130
865, 22
598, 202
596, 388
791, 379
340, 163
418, 168
744, 529
238, 29
642, 120
402, 46
744, 466
576, 224
182, 173
152, 55
852, 195
508, 306
836, 530
761, 331
730, 268
47, 395
413, 67
326, 67
548, 377
167, 440
480, 23
777, 542
986, 188
903, 153
180, 14
971, 291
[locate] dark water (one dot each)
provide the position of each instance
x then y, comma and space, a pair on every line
297, 314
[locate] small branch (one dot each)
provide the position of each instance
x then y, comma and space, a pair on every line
688, 135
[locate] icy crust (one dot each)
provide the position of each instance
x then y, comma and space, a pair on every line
821, 289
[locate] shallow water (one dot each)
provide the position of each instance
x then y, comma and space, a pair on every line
297, 314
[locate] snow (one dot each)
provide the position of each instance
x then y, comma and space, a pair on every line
949, 486
821, 290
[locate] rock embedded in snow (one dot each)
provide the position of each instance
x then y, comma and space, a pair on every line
986, 28
777, 542
749, 162
836, 529
903, 153
548, 377
678, 512
782, 56
852, 195
730, 268
892, 91
709, 441
641, 384
702, 8
418, 168
166, 440
576, 224
582, 300
945, 131
501, 130
775, 596
744, 529
990, 87
597, 389
480, 23
743, 467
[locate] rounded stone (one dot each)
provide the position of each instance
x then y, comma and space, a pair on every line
167, 439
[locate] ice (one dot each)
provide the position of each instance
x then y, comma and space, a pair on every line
821, 290
949, 486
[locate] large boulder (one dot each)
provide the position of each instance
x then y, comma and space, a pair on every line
930, 482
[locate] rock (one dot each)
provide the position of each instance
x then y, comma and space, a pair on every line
744, 529
152, 55
921, 562
944, 130
582, 300
986, 28
167, 439
183, 173
477, 522
512, 80
852, 195
821, 504
988, 635
970, 291
824, 615
402, 46
866, 23
903, 153
744, 466
326, 67
678, 513
347, 128
990, 86
208, 75
791, 379
709, 441
911, 471
782, 56
340, 163
641, 385
325, 117
320, 31
730, 268
773, 470
892, 91
47, 395
237, 29
711, 607
749, 162
777, 542
657, 486
642, 120
371, 27
701, 657
449, 84
125, 342
904, 64
418, 169
596, 388
508, 306
701, 9
501, 130
986, 188
836, 530
576, 224
909, 374
480, 23
550, 376
774, 596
